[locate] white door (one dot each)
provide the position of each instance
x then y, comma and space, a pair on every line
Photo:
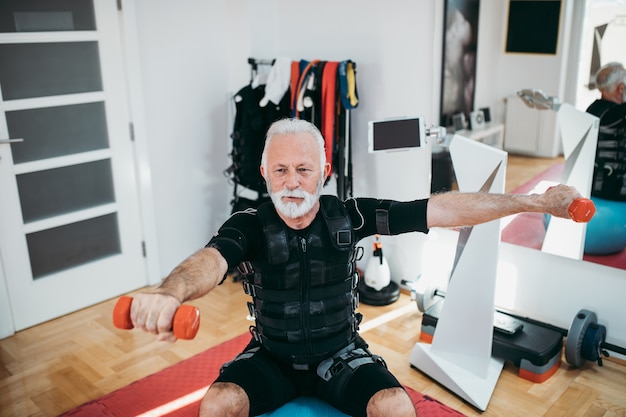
70, 233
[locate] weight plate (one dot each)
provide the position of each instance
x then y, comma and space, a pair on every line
575, 336
592, 343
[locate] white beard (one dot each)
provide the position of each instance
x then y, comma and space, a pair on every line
294, 210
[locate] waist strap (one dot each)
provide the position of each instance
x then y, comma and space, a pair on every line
300, 354
308, 353
316, 293
319, 321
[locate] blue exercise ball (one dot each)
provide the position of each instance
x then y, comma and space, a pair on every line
306, 407
606, 231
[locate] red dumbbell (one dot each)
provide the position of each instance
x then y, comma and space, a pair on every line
185, 325
582, 210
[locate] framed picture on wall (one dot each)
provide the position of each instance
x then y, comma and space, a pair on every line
458, 76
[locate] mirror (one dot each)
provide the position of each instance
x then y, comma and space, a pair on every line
604, 28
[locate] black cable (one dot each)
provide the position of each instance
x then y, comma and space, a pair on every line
614, 348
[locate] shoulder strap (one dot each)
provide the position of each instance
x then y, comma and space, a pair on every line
337, 221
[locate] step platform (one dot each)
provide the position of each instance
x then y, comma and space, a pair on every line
534, 349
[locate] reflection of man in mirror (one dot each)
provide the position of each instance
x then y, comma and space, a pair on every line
459, 61
610, 164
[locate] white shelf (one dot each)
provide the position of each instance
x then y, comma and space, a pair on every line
491, 134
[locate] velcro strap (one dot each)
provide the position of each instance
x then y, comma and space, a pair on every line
382, 217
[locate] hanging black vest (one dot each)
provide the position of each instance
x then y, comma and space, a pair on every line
304, 287
251, 124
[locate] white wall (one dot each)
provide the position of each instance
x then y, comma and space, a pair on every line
184, 55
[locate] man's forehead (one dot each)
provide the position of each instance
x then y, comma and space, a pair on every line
297, 138
294, 146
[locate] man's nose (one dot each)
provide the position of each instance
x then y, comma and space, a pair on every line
292, 181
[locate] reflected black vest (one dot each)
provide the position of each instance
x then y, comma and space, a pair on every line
304, 287
609, 173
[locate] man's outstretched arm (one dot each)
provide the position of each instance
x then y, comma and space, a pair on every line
454, 209
194, 277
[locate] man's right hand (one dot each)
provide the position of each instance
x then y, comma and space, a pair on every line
154, 313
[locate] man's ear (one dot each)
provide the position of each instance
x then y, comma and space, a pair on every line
326, 170
262, 169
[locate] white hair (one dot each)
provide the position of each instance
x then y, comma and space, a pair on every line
294, 126
609, 76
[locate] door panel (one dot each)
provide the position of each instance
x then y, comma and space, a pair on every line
74, 244
22, 77
70, 231
57, 191
56, 131
46, 15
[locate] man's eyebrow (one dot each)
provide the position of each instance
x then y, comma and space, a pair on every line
297, 165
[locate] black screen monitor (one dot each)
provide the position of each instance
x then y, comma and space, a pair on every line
396, 134
533, 26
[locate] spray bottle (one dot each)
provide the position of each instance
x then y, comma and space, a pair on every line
377, 274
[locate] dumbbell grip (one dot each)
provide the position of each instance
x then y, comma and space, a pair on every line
582, 210
185, 324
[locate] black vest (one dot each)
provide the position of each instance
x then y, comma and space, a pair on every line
304, 287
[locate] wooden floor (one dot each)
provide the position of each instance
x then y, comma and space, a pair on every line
521, 169
58, 365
